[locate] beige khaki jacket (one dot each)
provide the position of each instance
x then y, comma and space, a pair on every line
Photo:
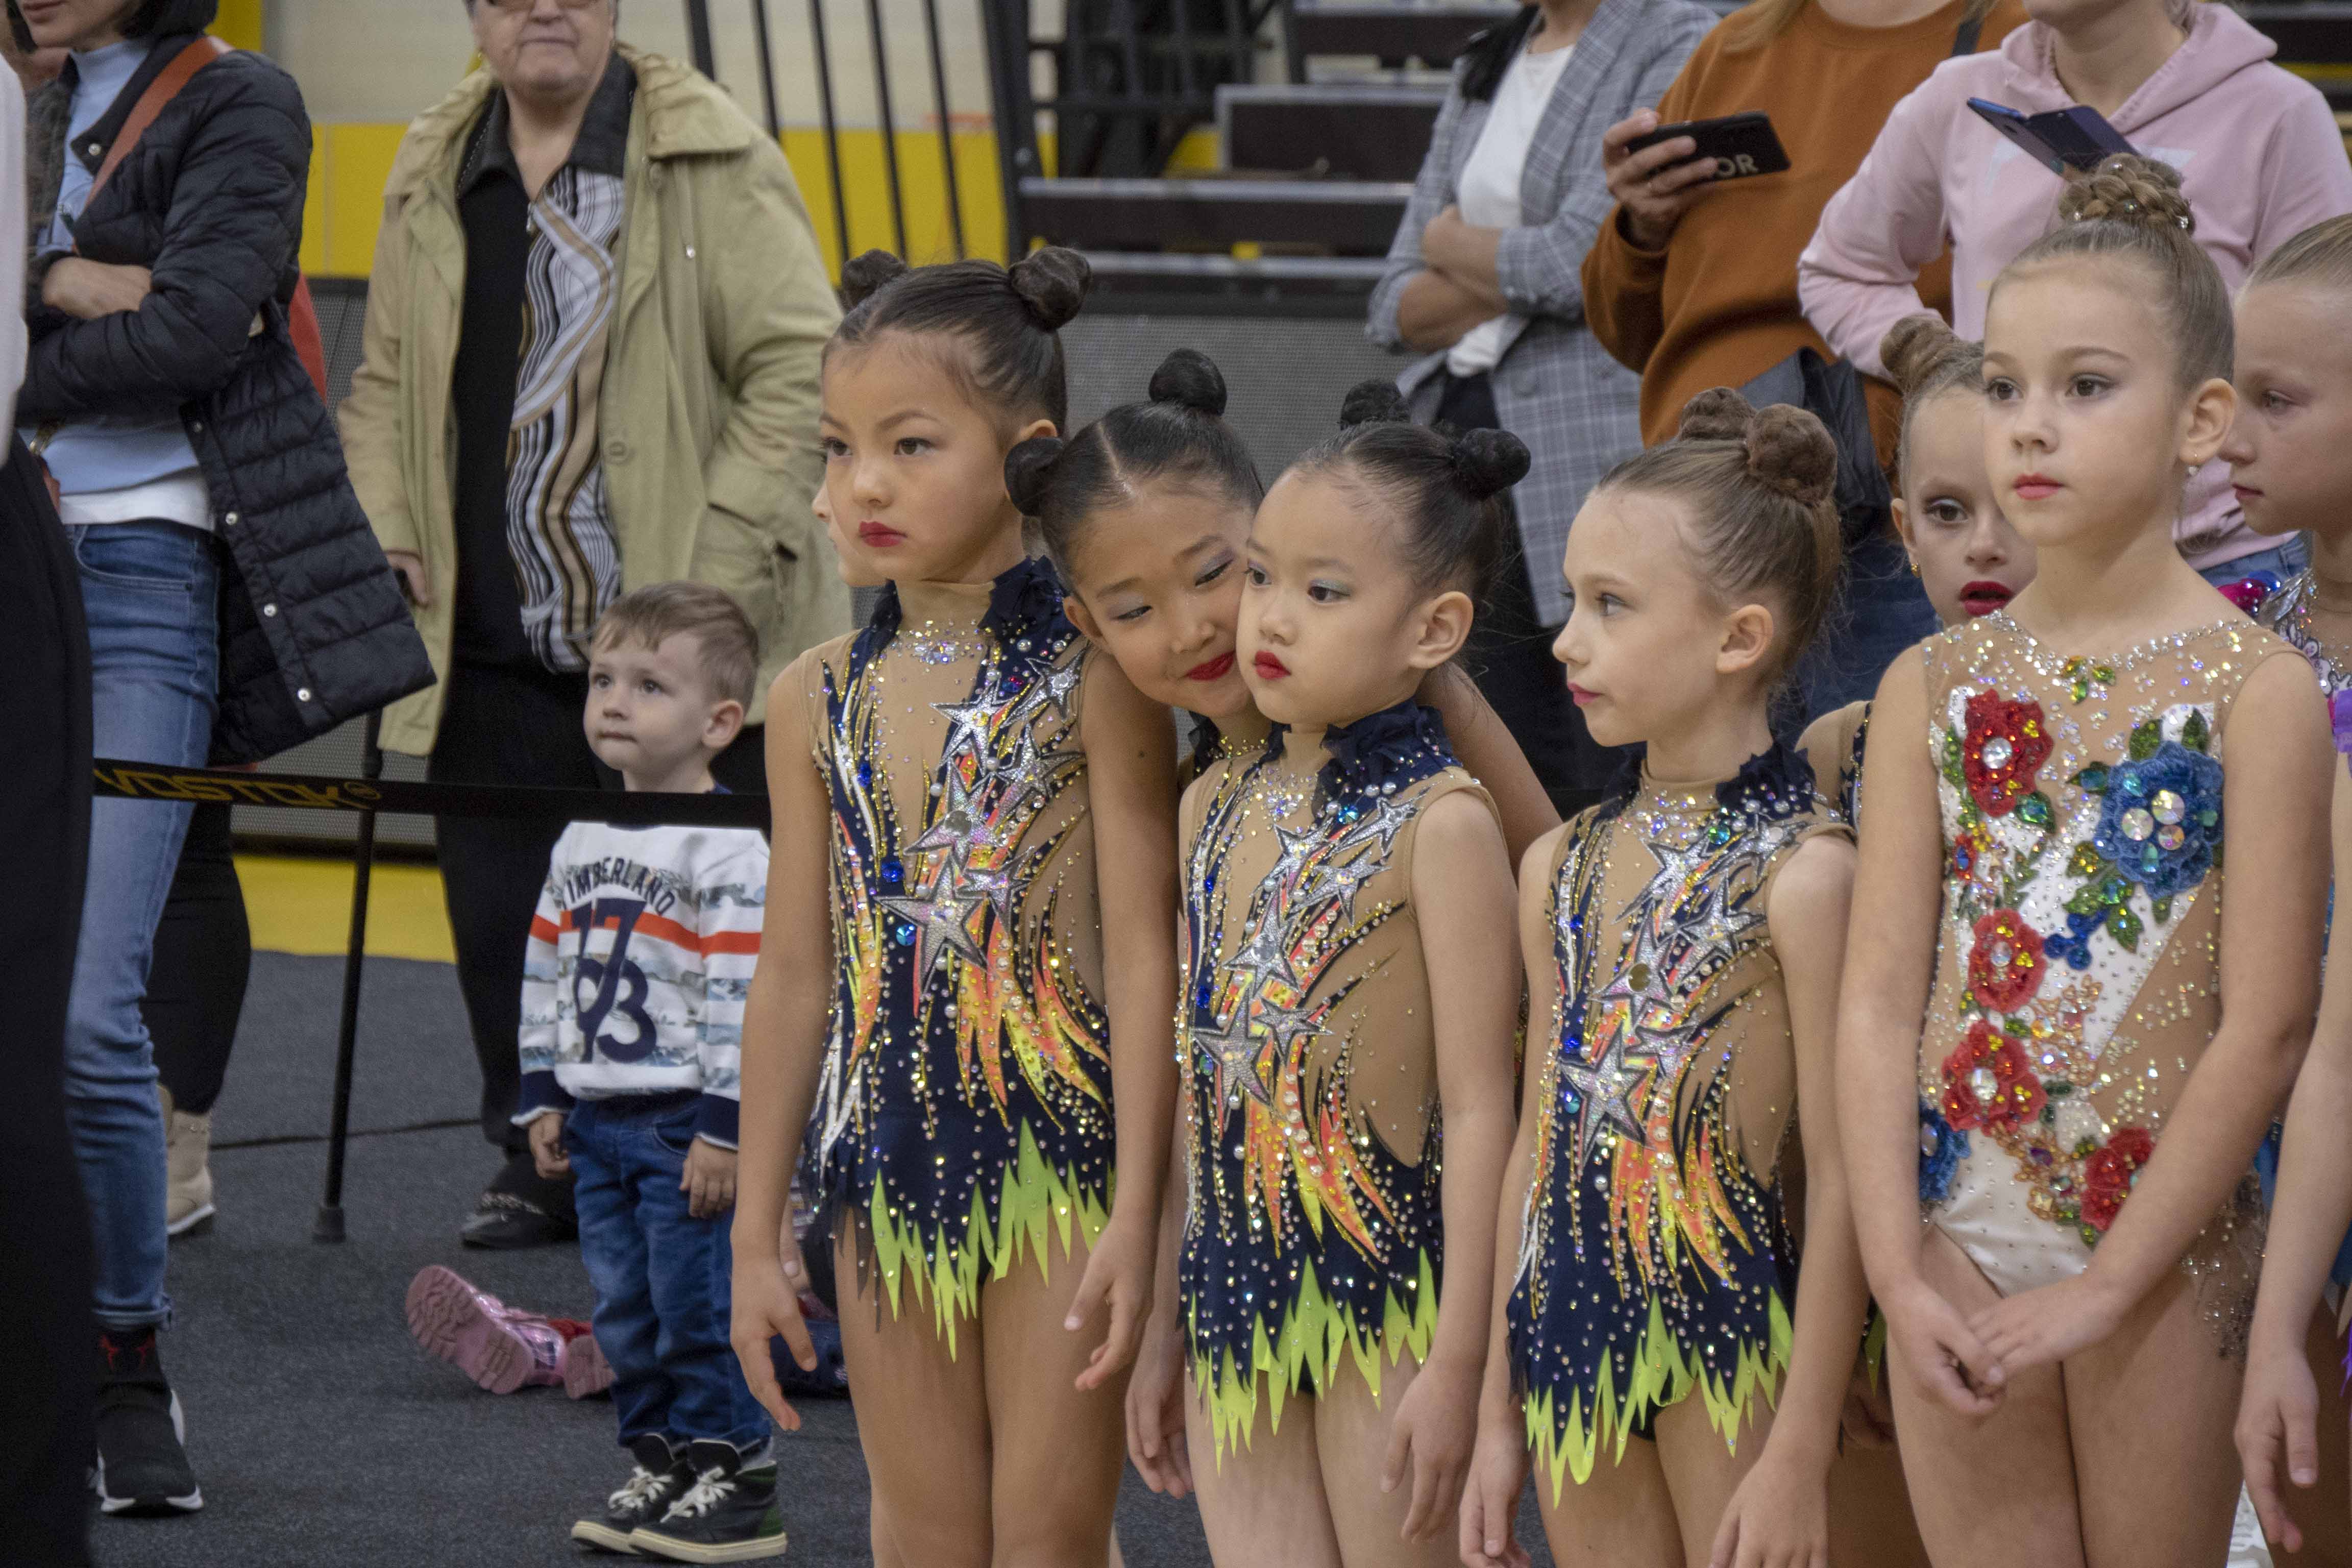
710, 392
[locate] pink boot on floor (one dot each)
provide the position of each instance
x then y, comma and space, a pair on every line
584, 1369
502, 1349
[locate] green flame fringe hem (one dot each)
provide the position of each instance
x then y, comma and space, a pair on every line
1565, 1443
1316, 1334
947, 1272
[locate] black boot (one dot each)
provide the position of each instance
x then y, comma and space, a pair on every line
142, 1467
522, 1208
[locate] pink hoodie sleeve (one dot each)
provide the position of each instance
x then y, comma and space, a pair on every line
2306, 177
1860, 274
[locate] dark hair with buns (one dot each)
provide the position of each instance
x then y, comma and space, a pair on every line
1450, 493
1760, 484
1177, 438
2131, 208
1007, 317
1926, 359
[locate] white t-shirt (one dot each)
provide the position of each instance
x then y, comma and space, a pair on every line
1489, 189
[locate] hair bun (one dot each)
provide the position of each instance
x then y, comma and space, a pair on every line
1190, 379
1029, 472
862, 276
1718, 414
1373, 402
2128, 189
1789, 451
1053, 283
1488, 462
1915, 348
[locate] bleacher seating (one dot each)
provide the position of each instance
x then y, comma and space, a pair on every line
1314, 170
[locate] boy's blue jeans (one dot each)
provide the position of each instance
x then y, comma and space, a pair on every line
662, 1276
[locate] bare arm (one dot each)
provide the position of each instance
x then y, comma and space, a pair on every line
1155, 1394
2274, 802
1436, 308
1490, 1501
1890, 965
1462, 904
1811, 901
1131, 782
1493, 757
784, 1020
1463, 252
2307, 1226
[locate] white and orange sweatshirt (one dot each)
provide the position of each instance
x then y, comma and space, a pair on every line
640, 957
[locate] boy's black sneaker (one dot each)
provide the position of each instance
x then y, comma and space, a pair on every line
729, 1515
661, 1478
142, 1467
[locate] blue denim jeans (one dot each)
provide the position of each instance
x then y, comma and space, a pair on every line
2281, 560
663, 1277
149, 591
1881, 610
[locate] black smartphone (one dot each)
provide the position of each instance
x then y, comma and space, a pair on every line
2059, 139
1741, 145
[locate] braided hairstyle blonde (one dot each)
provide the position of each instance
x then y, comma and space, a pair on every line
1760, 484
2131, 209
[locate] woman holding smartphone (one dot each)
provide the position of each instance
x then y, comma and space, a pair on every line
1693, 279
1482, 280
2191, 85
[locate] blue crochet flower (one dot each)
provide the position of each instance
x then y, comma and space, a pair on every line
2160, 818
2074, 943
1942, 1147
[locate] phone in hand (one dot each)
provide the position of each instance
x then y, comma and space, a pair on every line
1742, 145
2058, 138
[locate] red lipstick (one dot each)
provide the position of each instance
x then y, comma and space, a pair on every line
1215, 668
1983, 597
879, 535
2035, 486
1269, 668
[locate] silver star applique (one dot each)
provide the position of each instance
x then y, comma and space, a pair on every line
940, 911
960, 824
1054, 691
1032, 771
1232, 1058
1605, 1088
970, 725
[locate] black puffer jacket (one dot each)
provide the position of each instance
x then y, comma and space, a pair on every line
313, 628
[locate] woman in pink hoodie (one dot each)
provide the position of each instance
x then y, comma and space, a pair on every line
2192, 85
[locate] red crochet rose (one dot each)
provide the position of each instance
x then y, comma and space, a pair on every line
2005, 747
2107, 1174
2005, 964
2011, 1094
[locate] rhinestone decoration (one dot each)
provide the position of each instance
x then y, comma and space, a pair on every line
2077, 1064
1654, 1235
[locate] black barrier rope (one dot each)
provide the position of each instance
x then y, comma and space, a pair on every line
374, 793
319, 792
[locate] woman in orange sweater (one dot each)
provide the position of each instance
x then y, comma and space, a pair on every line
1693, 284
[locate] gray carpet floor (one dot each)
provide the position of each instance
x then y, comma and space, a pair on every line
319, 1431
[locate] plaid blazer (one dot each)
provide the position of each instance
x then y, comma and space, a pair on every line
1555, 387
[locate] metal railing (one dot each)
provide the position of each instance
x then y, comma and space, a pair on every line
703, 48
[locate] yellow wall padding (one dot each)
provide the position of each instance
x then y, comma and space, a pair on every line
350, 161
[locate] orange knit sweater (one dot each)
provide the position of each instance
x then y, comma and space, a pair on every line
1719, 305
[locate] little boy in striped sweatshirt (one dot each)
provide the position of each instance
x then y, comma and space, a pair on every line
640, 956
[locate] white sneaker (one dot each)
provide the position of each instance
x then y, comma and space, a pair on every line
187, 1146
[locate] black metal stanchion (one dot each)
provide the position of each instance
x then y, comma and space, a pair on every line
329, 1225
